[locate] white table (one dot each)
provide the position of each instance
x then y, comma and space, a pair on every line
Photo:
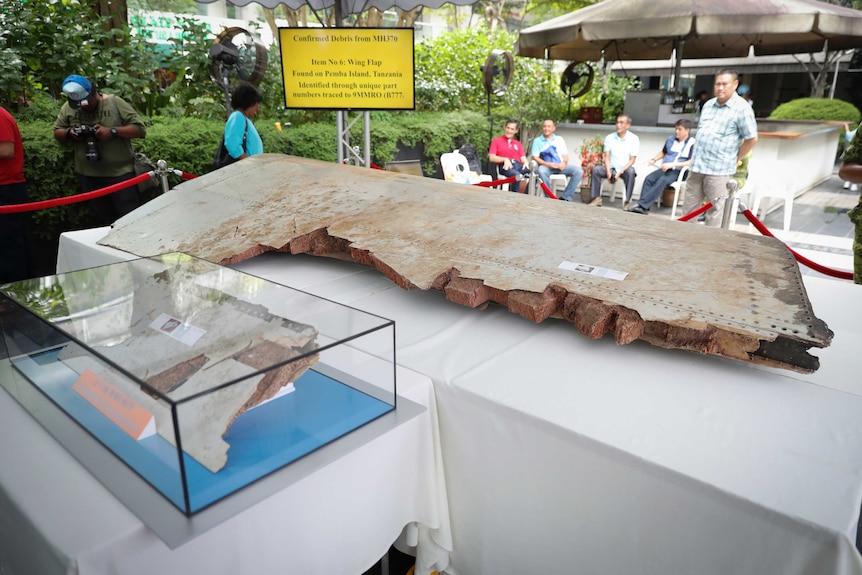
564, 454
78, 250
56, 518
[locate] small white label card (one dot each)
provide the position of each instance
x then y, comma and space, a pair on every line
175, 328
115, 405
593, 270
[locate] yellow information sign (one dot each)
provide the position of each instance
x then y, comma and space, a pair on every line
347, 68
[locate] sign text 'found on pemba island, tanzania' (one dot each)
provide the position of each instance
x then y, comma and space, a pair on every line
347, 68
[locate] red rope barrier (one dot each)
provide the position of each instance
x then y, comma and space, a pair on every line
509, 180
840, 274
44, 204
696, 212
548, 191
185, 175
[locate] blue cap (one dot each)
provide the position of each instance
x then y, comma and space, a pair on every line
77, 88
743, 89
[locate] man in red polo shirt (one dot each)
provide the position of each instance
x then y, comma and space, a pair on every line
14, 253
508, 154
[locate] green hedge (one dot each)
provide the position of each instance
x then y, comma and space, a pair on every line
188, 144
822, 109
47, 166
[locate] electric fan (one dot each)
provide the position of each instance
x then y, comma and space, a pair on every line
236, 53
576, 81
496, 76
497, 72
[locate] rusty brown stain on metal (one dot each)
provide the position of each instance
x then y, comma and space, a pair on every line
165, 381
713, 291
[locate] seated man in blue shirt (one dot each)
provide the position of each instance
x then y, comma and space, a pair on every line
675, 155
550, 152
621, 150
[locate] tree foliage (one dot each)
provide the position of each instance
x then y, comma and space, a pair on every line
543, 10
506, 15
192, 92
449, 77
608, 92
856, 4
174, 6
36, 53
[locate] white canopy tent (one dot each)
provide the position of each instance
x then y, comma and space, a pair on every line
649, 30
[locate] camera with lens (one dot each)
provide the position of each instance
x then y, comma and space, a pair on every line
88, 134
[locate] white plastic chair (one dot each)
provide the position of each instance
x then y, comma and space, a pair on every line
558, 183
678, 191
505, 187
618, 185
774, 187
745, 195
457, 169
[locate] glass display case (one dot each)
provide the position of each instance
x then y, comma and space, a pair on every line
200, 379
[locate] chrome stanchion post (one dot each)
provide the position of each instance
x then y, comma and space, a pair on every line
531, 183
729, 214
162, 171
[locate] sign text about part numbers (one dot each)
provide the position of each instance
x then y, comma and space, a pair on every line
347, 68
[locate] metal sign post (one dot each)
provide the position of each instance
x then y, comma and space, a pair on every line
346, 152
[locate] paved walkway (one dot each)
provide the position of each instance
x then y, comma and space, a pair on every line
819, 229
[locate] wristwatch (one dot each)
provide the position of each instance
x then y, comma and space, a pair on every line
114, 133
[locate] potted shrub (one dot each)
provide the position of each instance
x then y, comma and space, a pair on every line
592, 150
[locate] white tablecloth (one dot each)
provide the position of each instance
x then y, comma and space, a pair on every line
56, 518
564, 454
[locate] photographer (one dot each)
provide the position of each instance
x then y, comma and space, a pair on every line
99, 126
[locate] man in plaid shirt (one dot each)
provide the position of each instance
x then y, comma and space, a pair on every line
726, 133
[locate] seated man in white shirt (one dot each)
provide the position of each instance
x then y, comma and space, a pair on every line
550, 152
675, 155
621, 151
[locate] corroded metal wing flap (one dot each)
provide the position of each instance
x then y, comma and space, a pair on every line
672, 284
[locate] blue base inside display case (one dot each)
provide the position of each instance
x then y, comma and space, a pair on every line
262, 440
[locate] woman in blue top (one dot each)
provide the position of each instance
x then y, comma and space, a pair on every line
240, 136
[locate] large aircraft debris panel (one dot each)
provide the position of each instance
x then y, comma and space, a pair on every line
672, 284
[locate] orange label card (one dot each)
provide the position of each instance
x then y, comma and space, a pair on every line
115, 405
